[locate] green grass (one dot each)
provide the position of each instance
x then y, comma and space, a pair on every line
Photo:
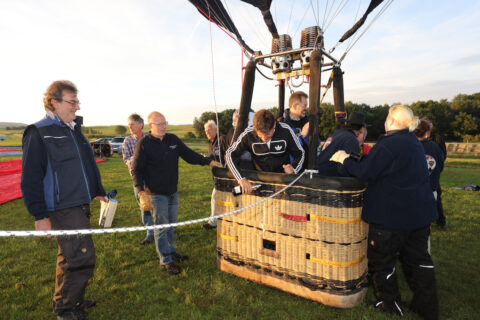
128, 283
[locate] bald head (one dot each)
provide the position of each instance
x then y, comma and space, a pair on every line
157, 124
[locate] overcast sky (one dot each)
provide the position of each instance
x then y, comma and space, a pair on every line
130, 56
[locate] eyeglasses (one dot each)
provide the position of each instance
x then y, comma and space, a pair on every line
73, 103
160, 123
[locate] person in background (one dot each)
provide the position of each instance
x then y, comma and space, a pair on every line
270, 144
438, 139
295, 117
246, 157
217, 146
344, 138
433, 156
399, 207
135, 124
155, 175
362, 136
59, 180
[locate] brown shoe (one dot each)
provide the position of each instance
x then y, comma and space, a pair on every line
146, 241
172, 268
179, 258
208, 226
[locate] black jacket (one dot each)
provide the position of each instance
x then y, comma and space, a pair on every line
58, 168
341, 139
155, 163
216, 151
435, 161
266, 158
398, 195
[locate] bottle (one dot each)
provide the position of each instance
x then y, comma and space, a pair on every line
112, 194
238, 189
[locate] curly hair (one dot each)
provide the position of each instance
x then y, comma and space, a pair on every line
54, 91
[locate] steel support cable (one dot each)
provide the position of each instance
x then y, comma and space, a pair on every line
214, 95
327, 86
255, 27
328, 14
339, 9
289, 19
299, 85
324, 14
42, 233
381, 11
313, 11
227, 33
300, 23
266, 77
354, 20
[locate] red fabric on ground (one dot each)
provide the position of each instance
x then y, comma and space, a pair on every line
10, 174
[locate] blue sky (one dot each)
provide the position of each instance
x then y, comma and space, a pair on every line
139, 56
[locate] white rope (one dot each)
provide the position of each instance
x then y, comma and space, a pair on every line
39, 233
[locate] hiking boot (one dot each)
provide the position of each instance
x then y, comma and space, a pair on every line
172, 268
87, 304
208, 226
179, 258
73, 314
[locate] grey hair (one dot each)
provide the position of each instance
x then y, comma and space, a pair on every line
210, 123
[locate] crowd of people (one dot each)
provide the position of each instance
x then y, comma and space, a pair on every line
402, 171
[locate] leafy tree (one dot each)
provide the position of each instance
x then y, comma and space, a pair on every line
224, 119
120, 130
464, 124
190, 135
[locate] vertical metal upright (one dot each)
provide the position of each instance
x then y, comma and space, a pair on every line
314, 105
246, 100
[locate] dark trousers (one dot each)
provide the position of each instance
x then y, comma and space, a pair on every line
412, 247
441, 221
75, 258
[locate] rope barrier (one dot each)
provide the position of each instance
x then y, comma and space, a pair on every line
40, 233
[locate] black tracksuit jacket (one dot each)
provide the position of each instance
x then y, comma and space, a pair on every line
266, 158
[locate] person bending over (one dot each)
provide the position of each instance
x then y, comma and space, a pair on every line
270, 143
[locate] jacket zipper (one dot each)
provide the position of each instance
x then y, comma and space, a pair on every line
81, 164
58, 188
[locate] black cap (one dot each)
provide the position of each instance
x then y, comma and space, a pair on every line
356, 118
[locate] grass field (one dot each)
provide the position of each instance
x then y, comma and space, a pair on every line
128, 283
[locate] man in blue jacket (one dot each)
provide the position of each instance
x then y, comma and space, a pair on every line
59, 180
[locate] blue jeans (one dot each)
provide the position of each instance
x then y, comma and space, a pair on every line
164, 211
146, 216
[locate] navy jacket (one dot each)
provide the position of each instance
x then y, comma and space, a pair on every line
435, 160
398, 195
58, 168
155, 163
266, 157
340, 140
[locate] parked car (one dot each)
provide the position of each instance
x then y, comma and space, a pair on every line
102, 147
117, 144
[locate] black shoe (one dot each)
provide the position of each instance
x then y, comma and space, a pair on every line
179, 258
442, 228
172, 268
87, 304
146, 241
73, 314
208, 226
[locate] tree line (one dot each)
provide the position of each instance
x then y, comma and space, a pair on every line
456, 120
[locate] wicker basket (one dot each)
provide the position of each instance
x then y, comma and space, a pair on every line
309, 240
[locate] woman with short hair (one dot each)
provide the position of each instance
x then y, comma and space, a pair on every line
399, 207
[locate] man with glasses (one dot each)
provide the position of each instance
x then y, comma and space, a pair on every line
59, 180
135, 124
155, 175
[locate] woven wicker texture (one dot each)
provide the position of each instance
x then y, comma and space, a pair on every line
310, 233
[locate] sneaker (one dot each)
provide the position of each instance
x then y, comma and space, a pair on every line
146, 241
178, 257
73, 314
172, 268
208, 226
